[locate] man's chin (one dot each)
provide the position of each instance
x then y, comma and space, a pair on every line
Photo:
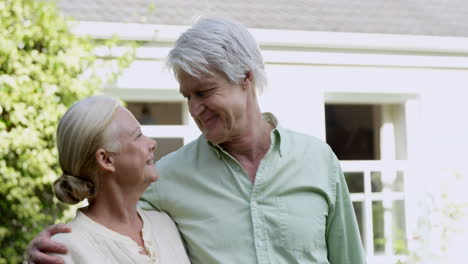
215, 139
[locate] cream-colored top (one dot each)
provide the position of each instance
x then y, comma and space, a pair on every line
90, 242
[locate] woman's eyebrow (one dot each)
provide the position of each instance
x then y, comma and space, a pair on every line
135, 131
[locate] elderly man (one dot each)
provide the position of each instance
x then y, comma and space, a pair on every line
247, 190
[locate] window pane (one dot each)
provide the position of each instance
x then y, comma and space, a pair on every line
376, 181
398, 183
377, 184
399, 229
355, 181
166, 146
378, 223
158, 113
351, 131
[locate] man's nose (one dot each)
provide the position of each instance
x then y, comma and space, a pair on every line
195, 107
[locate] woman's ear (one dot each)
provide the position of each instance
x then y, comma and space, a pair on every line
247, 83
105, 161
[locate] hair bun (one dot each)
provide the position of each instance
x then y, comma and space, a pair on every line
71, 190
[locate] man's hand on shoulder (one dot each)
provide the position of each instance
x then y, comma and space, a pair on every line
43, 244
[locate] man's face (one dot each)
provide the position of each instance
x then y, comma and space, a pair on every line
216, 105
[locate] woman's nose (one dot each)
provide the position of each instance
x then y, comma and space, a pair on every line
154, 144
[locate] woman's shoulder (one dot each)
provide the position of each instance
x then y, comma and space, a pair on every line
64, 238
160, 223
78, 230
75, 242
79, 248
158, 217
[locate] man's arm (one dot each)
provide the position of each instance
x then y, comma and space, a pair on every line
43, 243
148, 200
343, 238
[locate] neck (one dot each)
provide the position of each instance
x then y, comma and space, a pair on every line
114, 207
254, 142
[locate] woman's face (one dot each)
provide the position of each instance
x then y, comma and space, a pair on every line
134, 163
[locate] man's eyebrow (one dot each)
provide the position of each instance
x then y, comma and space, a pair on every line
210, 83
201, 85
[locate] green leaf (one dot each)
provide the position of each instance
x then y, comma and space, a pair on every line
44, 69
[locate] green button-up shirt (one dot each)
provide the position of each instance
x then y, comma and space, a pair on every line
298, 210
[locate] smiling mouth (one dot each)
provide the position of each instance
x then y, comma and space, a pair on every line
150, 161
208, 120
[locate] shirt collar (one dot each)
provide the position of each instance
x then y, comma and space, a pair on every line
275, 136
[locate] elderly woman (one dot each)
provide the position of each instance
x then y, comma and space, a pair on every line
106, 159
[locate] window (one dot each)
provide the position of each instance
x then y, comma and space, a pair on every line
166, 122
159, 113
350, 131
166, 146
370, 142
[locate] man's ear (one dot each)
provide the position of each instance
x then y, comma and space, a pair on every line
104, 161
247, 83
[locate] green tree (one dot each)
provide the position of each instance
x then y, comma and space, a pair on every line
44, 68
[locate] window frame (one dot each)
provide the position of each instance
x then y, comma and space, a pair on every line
387, 167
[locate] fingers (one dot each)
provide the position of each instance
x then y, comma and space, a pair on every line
43, 244
37, 257
58, 228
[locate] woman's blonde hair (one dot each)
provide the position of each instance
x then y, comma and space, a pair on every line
82, 130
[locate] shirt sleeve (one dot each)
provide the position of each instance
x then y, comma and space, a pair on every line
343, 238
149, 200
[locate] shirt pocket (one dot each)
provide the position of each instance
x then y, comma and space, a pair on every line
302, 222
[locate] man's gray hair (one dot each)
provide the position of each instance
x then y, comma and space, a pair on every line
218, 45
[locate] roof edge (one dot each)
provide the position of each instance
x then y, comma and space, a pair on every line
272, 37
